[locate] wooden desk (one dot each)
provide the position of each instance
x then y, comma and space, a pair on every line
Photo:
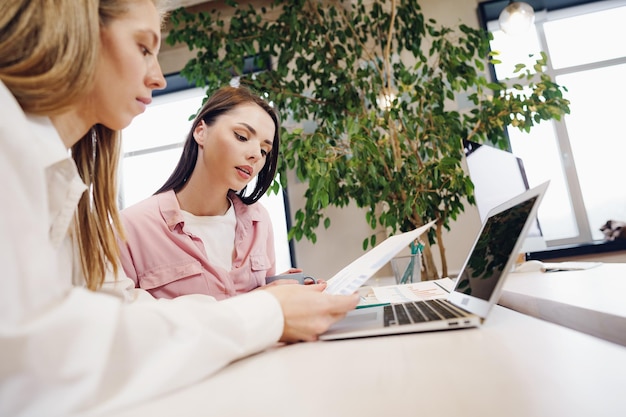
514, 366
590, 301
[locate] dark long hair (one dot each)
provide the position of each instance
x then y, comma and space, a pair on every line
220, 102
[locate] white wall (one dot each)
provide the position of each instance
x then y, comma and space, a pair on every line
342, 242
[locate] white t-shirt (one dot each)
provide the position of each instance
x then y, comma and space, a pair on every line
217, 234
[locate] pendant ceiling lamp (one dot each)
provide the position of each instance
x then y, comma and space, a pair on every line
516, 18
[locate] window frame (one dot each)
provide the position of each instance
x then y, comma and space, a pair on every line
546, 11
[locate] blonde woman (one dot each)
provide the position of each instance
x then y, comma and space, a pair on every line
72, 74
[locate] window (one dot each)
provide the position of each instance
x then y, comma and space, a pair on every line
583, 155
152, 145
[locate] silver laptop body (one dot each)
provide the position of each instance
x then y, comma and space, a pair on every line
477, 288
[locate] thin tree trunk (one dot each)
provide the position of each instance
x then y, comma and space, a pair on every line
442, 250
430, 269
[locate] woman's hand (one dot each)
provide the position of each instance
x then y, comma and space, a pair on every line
307, 280
291, 271
308, 311
298, 278
279, 282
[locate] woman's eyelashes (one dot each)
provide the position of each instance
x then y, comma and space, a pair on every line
240, 137
243, 138
144, 50
148, 43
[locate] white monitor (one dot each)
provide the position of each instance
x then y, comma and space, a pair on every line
498, 176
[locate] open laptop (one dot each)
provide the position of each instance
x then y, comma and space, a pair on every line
477, 287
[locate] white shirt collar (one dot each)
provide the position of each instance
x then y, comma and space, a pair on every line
65, 187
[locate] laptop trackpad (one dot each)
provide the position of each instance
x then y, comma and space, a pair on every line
364, 318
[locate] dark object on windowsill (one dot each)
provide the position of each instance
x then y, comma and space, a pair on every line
614, 229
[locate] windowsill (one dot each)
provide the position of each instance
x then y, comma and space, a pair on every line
567, 251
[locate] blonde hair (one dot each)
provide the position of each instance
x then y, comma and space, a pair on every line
41, 47
48, 57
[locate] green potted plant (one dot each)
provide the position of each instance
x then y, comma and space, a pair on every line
380, 83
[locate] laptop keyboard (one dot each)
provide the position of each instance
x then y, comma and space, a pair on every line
420, 311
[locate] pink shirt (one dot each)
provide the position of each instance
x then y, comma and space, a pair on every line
167, 261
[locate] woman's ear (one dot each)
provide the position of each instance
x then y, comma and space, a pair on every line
198, 133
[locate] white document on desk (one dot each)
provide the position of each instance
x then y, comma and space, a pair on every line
350, 278
417, 291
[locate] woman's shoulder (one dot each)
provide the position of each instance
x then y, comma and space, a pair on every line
152, 206
139, 207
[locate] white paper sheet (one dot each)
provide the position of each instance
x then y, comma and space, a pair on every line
350, 278
418, 291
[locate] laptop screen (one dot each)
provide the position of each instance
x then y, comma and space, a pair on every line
492, 251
